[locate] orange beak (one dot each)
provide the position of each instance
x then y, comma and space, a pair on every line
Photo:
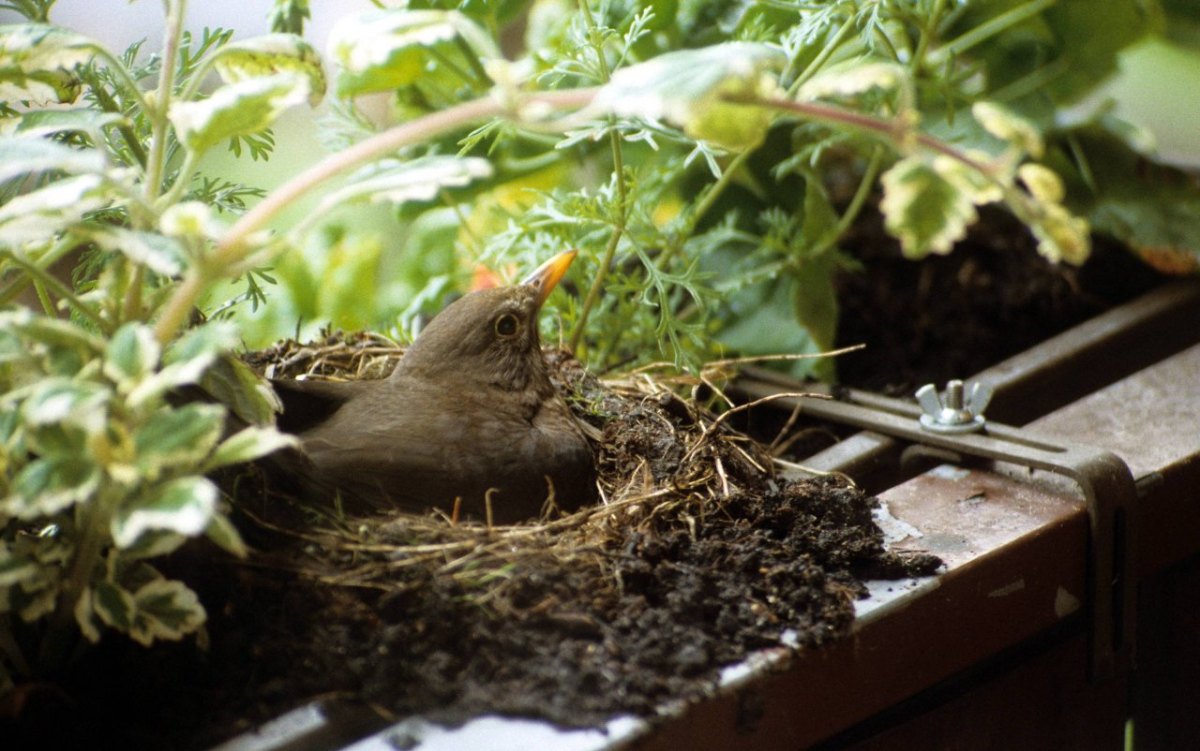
546, 277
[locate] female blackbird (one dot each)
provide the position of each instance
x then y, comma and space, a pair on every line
468, 412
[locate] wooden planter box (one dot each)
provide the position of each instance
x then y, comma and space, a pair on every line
1055, 622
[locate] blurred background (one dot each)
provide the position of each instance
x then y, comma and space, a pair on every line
368, 264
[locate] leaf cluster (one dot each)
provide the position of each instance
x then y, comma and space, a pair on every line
103, 456
705, 157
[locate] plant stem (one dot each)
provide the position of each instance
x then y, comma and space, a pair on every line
857, 201
156, 162
896, 132
990, 28
49, 281
229, 254
927, 33
822, 57
122, 73
610, 251
64, 245
90, 546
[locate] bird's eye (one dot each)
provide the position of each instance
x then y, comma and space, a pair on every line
506, 325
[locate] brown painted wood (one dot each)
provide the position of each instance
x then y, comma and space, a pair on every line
1015, 555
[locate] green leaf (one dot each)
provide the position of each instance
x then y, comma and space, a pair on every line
166, 610
114, 605
132, 352
14, 568
59, 400
51, 332
184, 506
38, 61
289, 15
1061, 235
249, 444
382, 50
52, 122
29, 155
239, 109
234, 384
927, 212
40, 215
50, 485
263, 56
162, 255
853, 78
1009, 127
152, 544
223, 533
178, 436
396, 182
687, 88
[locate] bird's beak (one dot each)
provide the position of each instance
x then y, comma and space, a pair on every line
546, 277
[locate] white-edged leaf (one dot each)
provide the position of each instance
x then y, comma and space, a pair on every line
178, 436
267, 55
54, 332
84, 617
238, 109
40, 215
249, 444
853, 78
1010, 127
152, 544
393, 181
1061, 235
24, 156
202, 343
51, 122
924, 210
166, 609
687, 87
114, 605
37, 62
162, 255
184, 506
58, 400
1043, 183
246, 394
381, 50
50, 485
132, 352
14, 567
169, 377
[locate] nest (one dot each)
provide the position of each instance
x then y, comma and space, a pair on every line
695, 542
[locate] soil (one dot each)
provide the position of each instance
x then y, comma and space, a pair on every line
953, 316
700, 557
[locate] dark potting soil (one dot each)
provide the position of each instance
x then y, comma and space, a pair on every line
597, 616
953, 316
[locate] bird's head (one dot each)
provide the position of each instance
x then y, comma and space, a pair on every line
490, 335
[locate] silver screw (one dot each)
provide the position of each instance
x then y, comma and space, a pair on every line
952, 413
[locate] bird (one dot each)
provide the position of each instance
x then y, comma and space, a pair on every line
468, 422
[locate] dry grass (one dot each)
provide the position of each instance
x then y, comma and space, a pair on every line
700, 462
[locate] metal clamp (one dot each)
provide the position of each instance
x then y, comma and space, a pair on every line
1107, 484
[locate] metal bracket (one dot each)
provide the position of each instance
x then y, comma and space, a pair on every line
1107, 484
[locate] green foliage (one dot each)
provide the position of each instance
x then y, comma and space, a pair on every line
102, 468
706, 158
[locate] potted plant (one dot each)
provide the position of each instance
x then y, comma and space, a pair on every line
709, 162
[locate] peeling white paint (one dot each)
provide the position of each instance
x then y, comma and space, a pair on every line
1008, 589
893, 528
1065, 603
949, 472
